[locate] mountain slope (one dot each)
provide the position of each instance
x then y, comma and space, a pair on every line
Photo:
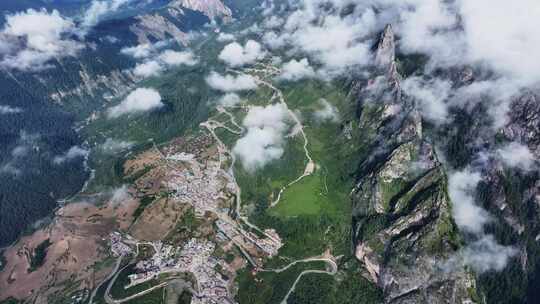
402, 225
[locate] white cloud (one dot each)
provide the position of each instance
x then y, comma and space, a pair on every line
25, 144
482, 255
140, 100
148, 69
273, 40
163, 60
334, 41
486, 254
273, 22
9, 110
119, 195
503, 35
431, 96
497, 35
517, 155
468, 216
138, 51
230, 83
296, 70
32, 38
98, 10
73, 153
113, 146
174, 58
264, 139
327, 112
234, 54
229, 100
224, 37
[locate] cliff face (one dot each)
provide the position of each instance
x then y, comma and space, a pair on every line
402, 225
211, 8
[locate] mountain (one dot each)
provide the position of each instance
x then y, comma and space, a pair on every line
55, 101
321, 152
403, 229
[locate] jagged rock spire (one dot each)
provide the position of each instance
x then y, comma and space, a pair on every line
386, 49
385, 60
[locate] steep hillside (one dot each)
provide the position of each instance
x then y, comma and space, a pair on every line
402, 225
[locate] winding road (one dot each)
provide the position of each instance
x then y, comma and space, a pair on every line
211, 124
299, 127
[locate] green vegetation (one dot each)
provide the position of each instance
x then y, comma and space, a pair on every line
118, 291
351, 288
270, 287
39, 254
307, 197
186, 228
10, 301
145, 202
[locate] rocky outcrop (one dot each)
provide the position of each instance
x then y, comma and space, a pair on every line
211, 8
524, 121
158, 27
402, 224
113, 85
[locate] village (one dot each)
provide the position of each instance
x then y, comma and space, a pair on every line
199, 180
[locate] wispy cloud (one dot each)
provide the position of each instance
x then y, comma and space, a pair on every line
264, 139
31, 38
138, 101
234, 54
230, 83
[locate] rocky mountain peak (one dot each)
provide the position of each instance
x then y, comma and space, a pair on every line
385, 60
385, 55
211, 8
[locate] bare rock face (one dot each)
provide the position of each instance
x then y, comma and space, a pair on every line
211, 8
524, 121
158, 27
402, 225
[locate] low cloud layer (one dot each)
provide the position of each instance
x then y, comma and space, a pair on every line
119, 195
113, 146
71, 154
229, 100
451, 33
235, 55
164, 60
4, 110
482, 255
148, 69
461, 188
516, 155
225, 37
264, 139
431, 96
12, 163
296, 70
139, 51
335, 41
174, 58
138, 101
31, 38
98, 10
230, 83
326, 112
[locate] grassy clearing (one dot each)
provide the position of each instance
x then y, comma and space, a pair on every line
307, 197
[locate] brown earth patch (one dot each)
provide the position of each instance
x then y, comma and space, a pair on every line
158, 219
76, 255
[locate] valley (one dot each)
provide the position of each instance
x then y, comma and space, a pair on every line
262, 152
